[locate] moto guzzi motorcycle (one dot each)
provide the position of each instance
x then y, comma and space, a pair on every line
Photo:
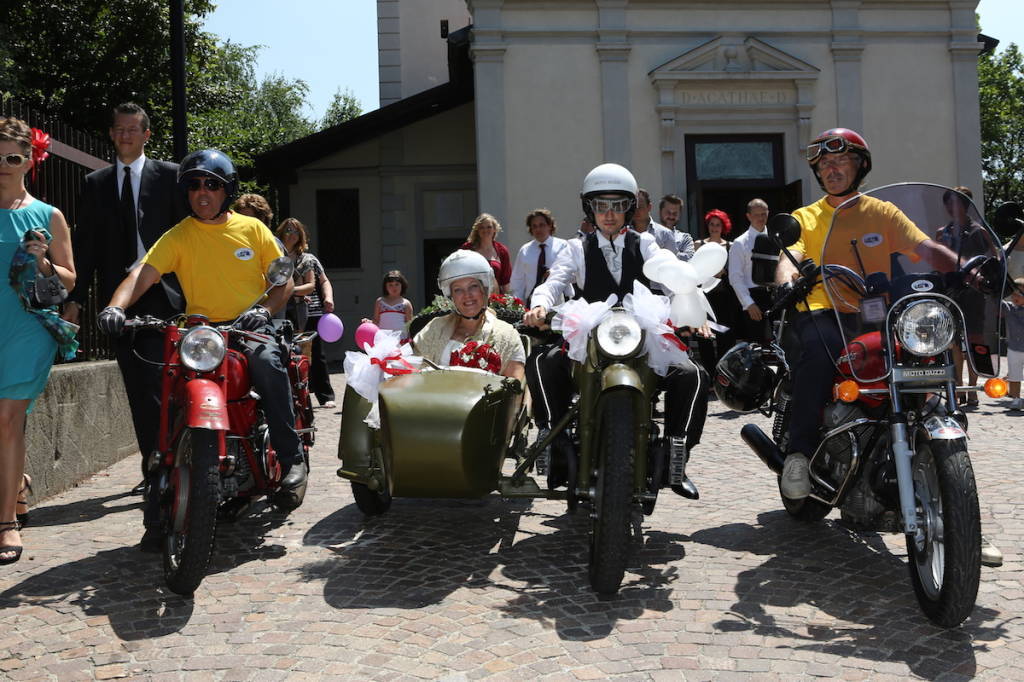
214, 454
893, 454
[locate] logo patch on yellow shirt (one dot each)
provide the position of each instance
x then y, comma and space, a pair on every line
244, 254
871, 239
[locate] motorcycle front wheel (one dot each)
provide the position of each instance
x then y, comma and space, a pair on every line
945, 561
191, 511
613, 495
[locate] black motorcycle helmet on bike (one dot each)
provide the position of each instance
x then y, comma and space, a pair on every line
837, 141
213, 163
743, 382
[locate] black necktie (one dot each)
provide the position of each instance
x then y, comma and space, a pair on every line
542, 268
129, 219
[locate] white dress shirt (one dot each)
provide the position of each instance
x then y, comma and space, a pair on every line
684, 244
740, 266
661, 234
571, 268
524, 271
136, 175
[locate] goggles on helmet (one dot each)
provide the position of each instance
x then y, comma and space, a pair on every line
830, 145
599, 205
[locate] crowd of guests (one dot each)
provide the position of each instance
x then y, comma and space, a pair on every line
128, 206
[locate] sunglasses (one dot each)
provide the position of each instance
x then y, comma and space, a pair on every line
605, 205
289, 230
211, 184
831, 145
13, 159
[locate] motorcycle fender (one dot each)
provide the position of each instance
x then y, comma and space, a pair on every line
942, 428
620, 376
205, 407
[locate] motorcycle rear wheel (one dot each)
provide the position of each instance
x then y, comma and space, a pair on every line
945, 567
373, 502
191, 532
611, 505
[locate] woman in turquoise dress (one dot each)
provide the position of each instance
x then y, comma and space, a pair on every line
28, 348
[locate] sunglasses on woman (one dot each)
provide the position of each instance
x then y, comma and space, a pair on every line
211, 184
13, 159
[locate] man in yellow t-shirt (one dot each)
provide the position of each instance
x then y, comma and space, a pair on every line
873, 231
220, 258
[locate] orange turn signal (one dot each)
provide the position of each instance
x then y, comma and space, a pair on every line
847, 391
996, 388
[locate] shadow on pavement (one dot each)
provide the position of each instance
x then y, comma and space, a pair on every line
127, 585
83, 511
851, 577
421, 551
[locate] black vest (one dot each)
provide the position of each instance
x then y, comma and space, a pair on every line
599, 281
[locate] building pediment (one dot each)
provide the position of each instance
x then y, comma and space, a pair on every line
733, 57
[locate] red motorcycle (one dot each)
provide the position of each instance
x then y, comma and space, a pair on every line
214, 453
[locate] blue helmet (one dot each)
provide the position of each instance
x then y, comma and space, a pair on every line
214, 163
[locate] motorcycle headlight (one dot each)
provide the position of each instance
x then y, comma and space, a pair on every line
202, 349
619, 335
925, 328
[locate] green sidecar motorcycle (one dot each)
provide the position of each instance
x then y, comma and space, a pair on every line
446, 433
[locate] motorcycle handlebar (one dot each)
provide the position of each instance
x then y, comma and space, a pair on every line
797, 290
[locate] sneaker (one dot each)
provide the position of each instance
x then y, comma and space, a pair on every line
796, 481
1017, 404
990, 554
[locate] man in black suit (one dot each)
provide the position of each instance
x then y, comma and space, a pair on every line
124, 209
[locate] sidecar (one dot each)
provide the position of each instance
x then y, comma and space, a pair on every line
443, 433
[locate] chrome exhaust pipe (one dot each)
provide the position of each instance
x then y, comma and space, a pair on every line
764, 447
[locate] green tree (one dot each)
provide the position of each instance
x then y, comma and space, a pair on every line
1001, 97
344, 107
76, 58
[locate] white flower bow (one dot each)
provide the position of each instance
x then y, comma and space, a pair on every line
365, 372
651, 312
576, 318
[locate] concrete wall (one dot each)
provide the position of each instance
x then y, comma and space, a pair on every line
415, 183
578, 82
80, 425
411, 53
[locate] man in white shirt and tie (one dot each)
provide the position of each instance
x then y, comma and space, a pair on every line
754, 299
537, 256
604, 263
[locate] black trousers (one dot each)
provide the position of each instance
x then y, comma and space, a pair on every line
549, 376
319, 376
754, 331
814, 372
268, 370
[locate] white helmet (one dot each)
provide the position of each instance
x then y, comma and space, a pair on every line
465, 263
608, 178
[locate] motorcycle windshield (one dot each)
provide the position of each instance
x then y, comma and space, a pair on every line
917, 240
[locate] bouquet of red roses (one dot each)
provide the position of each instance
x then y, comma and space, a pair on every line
507, 307
477, 355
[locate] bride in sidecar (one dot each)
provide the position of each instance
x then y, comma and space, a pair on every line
443, 430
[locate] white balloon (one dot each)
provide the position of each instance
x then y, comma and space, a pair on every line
651, 265
687, 311
678, 277
709, 260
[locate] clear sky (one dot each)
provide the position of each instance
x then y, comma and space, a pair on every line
332, 44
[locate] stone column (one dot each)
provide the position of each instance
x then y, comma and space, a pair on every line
963, 51
847, 48
488, 54
613, 52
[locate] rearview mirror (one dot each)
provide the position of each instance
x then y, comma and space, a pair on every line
280, 271
1009, 219
784, 229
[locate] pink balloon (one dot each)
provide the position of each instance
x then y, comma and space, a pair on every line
330, 327
365, 333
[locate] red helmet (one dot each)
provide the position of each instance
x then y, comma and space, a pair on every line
837, 141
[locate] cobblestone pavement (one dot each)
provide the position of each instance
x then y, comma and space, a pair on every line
725, 588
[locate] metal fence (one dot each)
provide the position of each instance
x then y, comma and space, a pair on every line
59, 182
